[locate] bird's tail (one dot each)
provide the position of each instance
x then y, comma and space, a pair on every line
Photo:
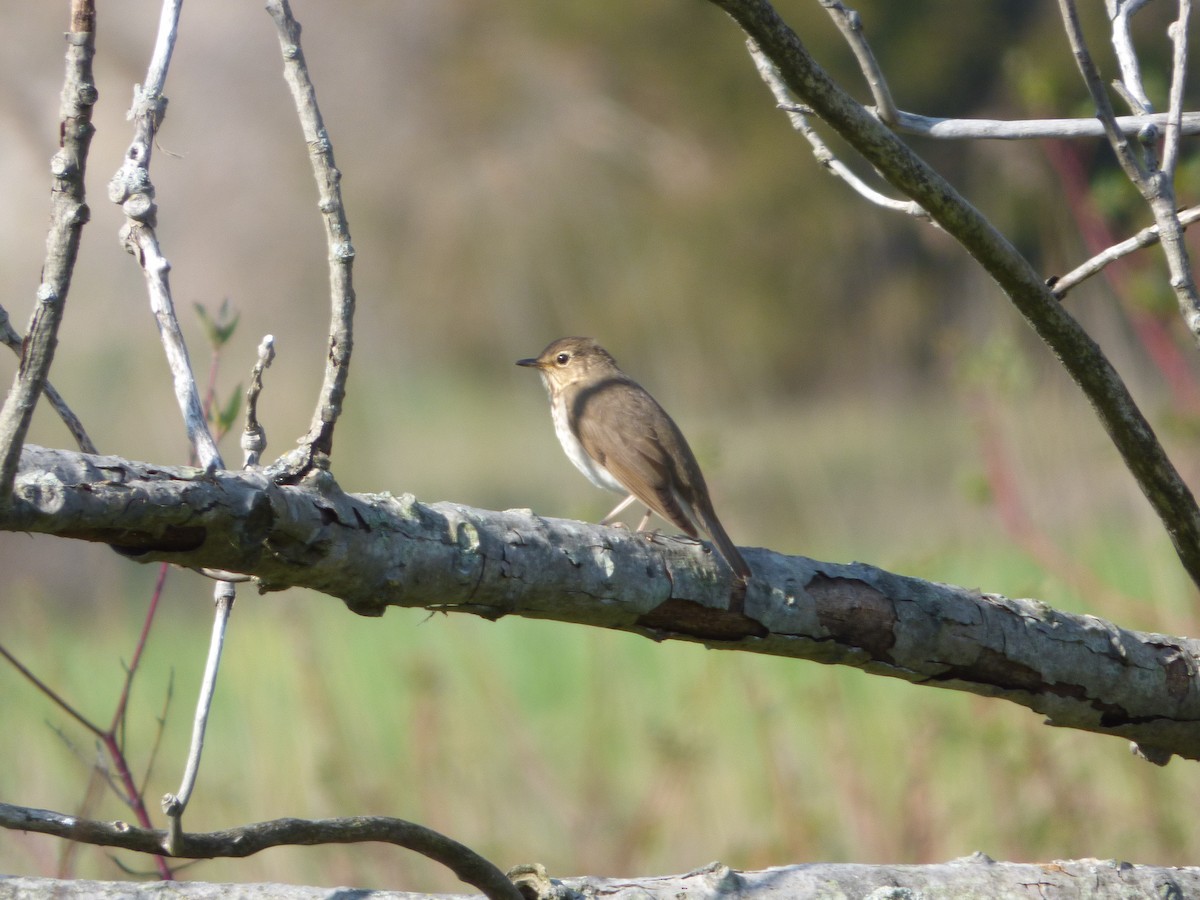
724, 545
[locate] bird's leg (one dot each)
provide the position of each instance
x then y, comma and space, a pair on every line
619, 507
645, 520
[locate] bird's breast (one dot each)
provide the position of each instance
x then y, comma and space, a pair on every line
571, 445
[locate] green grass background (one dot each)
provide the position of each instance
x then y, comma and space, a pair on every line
604, 753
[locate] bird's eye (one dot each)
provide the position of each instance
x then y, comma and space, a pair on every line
563, 358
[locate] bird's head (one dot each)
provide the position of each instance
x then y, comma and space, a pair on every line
569, 360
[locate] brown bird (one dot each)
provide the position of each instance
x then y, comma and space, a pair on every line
621, 439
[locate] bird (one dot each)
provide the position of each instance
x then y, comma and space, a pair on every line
619, 436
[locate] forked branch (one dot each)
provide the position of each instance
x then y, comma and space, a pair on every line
318, 443
1127, 427
1153, 180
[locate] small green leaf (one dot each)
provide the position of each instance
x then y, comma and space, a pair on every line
219, 328
228, 414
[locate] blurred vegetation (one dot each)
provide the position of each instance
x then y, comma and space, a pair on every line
518, 172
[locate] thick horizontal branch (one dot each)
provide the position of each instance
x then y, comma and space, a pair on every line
375, 550
973, 876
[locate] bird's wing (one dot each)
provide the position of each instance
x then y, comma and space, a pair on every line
603, 415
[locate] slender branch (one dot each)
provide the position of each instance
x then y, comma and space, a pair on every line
246, 840
174, 804
1144, 238
1153, 331
1144, 125
1034, 129
132, 189
797, 115
112, 738
254, 438
849, 23
53, 695
124, 785
1133, 167
1131, 72
1119, 414
318, 443
1153, 183
74, 425
68, 214
13, 342
158, 736
1179, 38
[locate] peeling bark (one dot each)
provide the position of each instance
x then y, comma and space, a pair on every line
973, 876
373, 551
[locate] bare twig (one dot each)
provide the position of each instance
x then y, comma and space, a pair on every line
1083, 359
318, 443
132, 189
161, 730
1144, 238
13, 341
1033, 129
1143, 124
69, 419
111, 739
55, 698
1155, 184
797, 116
1154, 332
174, 804
1179, 38
68, 214
1121, 13
246, 840
254, 438
114, 738
1104, 112
849, 23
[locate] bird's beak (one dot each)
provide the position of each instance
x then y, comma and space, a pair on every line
528, 363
